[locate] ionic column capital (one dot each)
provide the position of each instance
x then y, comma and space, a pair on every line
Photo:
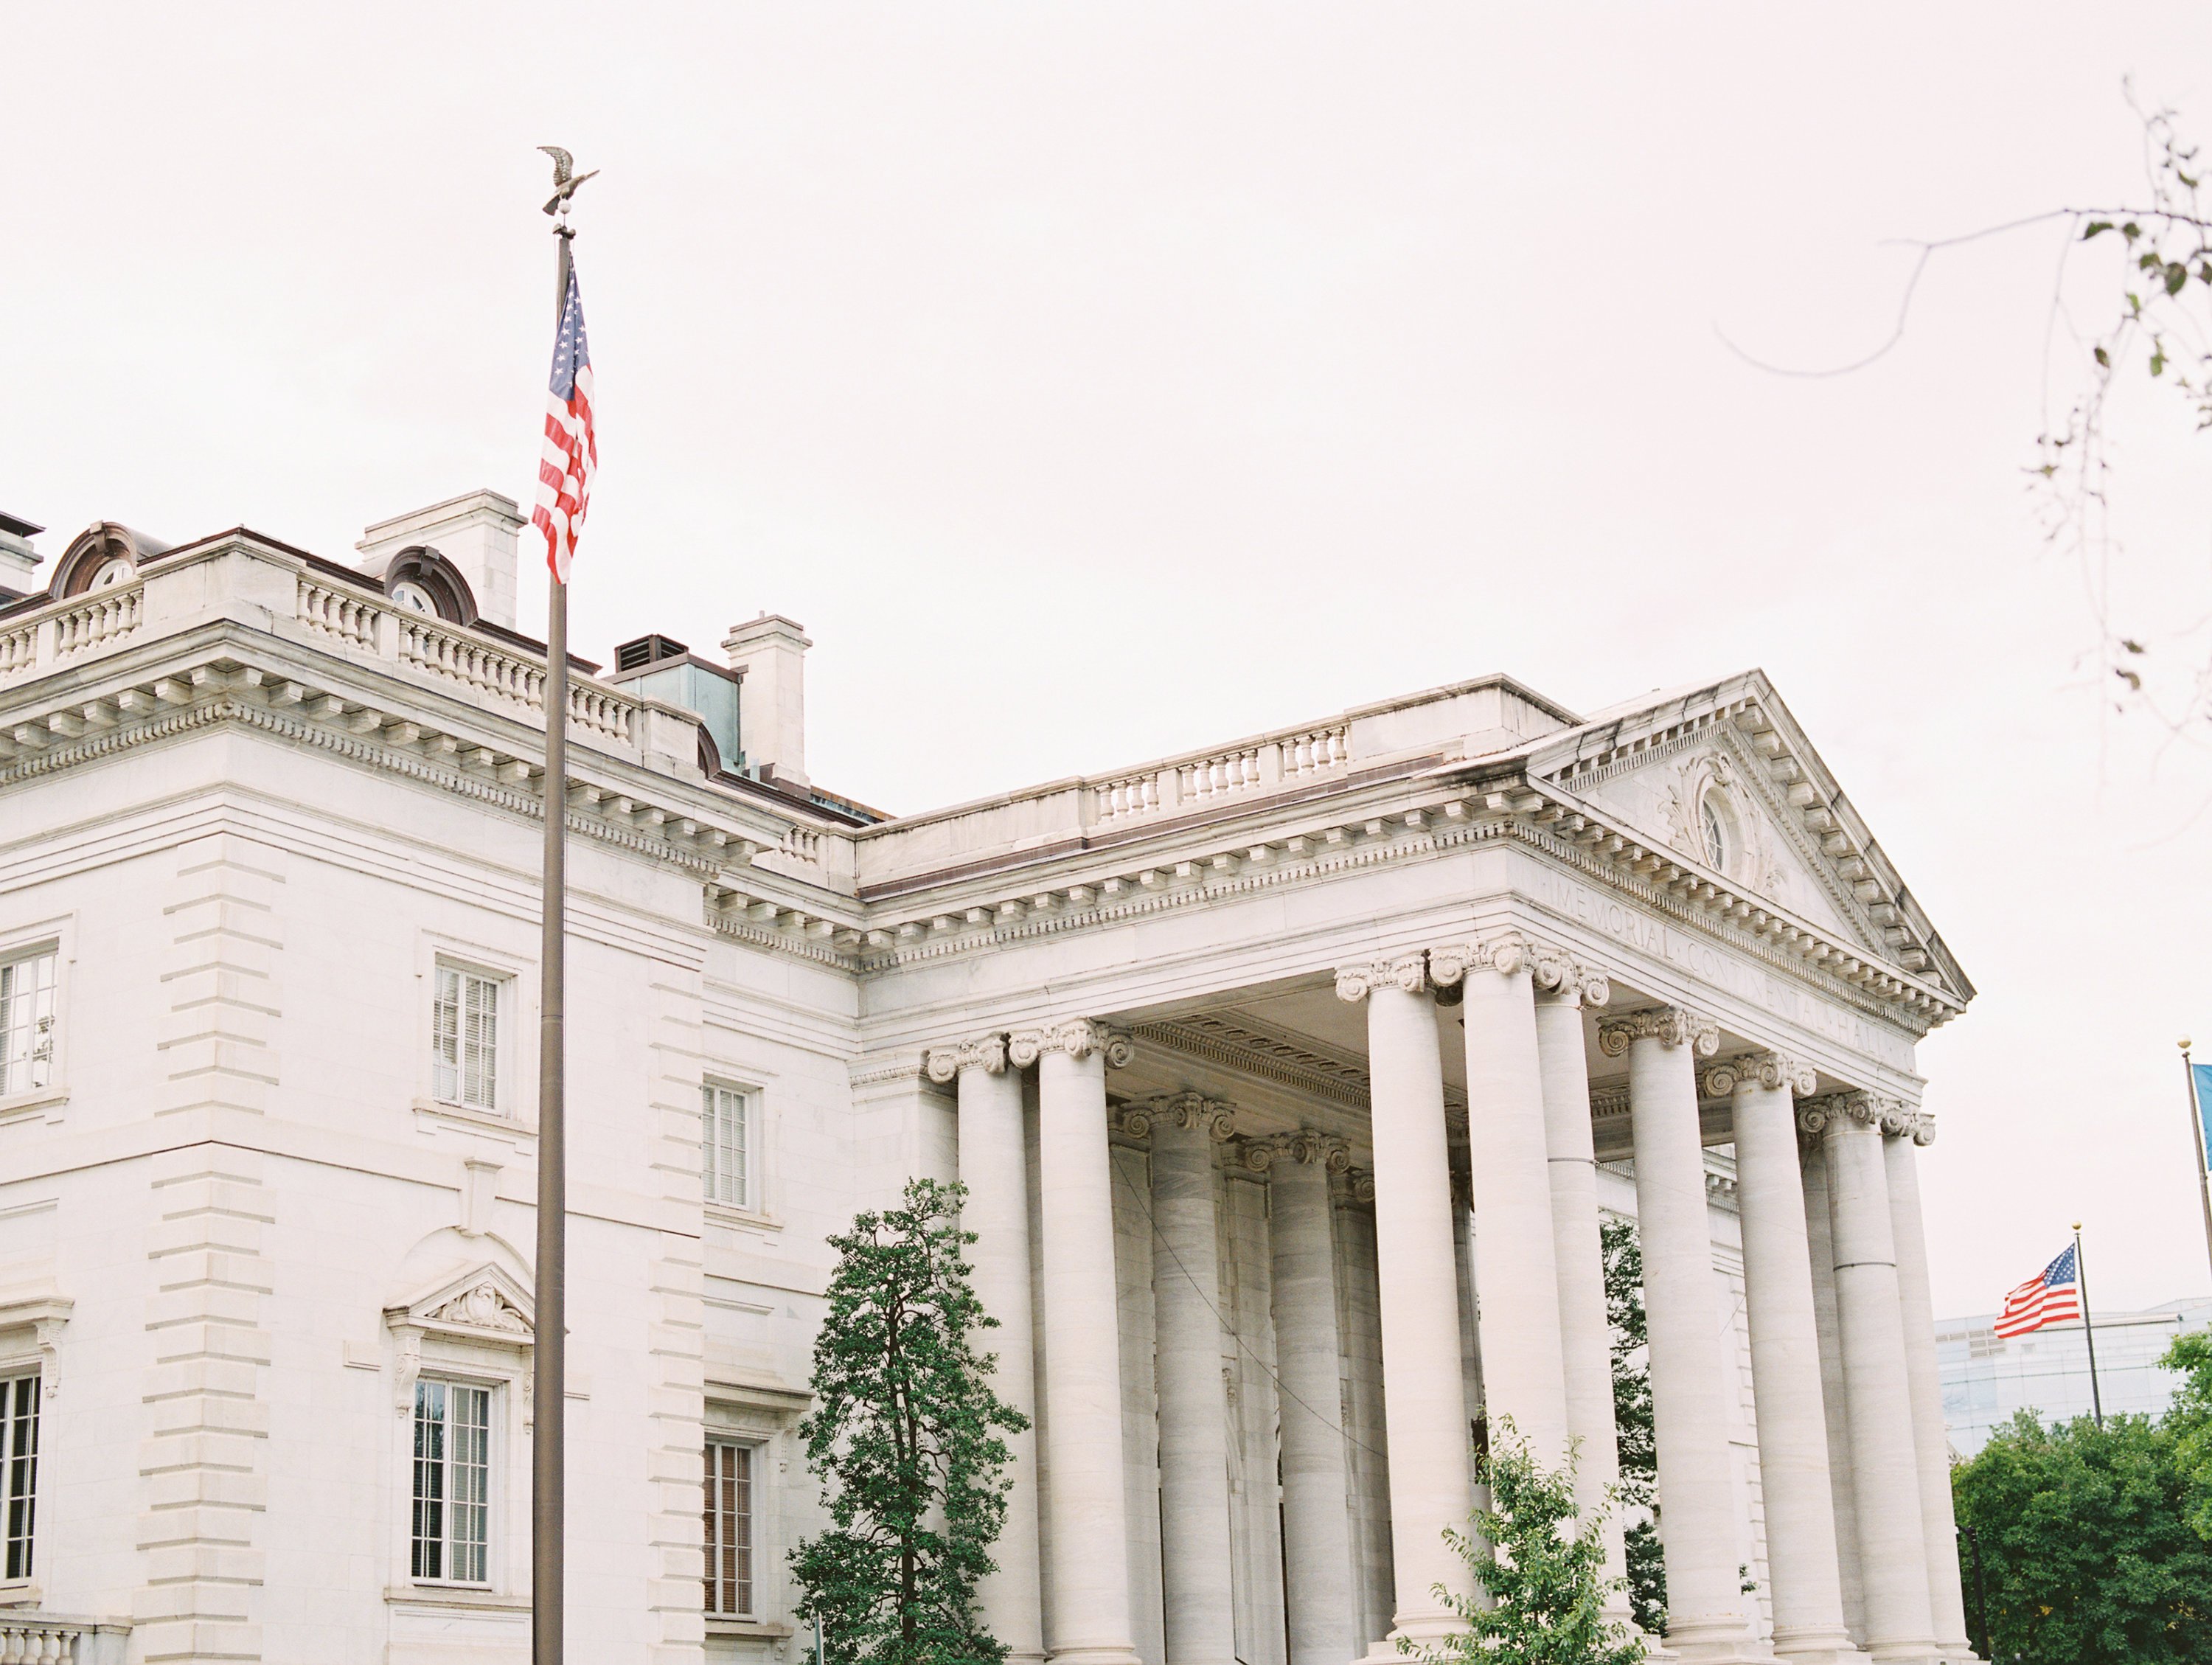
986, 1053
1555, 973
1770, 1070
1078, 1037
1408, 971
1892, 1116
1671, 1026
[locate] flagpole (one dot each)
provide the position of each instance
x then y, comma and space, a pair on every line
550, 1398
2197, 1144
2081, 1277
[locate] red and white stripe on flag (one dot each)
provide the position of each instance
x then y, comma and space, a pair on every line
571, 453
2052, 1296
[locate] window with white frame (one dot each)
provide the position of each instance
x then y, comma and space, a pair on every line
26, 1020
730, 1528
19, 1459
465, 1036
453, 1483
728, 1158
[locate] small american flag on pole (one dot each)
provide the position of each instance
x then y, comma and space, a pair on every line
2052, 1296
571, 456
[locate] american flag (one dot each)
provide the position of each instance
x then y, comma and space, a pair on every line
2052, 1296
571, 457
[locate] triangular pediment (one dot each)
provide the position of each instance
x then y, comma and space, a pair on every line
485, 1300
1707, 793
1724, 797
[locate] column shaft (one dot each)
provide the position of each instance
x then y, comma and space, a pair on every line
1423, 1401
1316, 1521
1820, 1238
1785, 1371
1578, 1253
1931, 1442
1196, 1553
1516, 1270
1682, 1303
1083, 1364
993, 1167
1885, 1467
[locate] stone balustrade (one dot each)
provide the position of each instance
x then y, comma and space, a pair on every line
34, 1638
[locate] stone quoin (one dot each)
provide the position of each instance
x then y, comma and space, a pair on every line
1291, 1079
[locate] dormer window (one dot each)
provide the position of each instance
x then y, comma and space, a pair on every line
413, 597
114, 570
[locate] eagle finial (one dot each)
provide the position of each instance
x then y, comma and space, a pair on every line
565, 179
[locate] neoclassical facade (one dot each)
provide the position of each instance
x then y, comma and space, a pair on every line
1292, 1081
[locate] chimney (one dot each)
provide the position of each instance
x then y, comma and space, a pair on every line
477, 533
771, 651
19, 562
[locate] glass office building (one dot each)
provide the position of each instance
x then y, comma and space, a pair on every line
1986, 1379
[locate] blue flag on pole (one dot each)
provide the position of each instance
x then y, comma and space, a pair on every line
2200, 1080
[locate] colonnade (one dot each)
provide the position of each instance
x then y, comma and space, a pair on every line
1853, 1467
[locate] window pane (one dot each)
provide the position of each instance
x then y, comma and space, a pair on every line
445, 1035
19, 1449
430, 1555
480, 1041
729, 1523
471, 1487
726, 1138
27, 1022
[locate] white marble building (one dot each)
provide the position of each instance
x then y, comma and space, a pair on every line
1291, 1079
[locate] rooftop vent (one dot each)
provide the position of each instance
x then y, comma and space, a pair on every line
647, 650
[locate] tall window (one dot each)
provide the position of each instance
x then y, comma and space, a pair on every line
729, 1528
729, 1146
453, 1482
19, 1453
27, 1021
465, 1038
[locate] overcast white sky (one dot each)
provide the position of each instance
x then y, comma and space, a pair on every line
1098, 380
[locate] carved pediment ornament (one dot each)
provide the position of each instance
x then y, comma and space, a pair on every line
1669, 1025
482, 1306
1078, 1037
1770, 1070
944, 1064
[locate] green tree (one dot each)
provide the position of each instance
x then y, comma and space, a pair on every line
2089, 1554
1546, 1581
902, 1437
1633, 1425
2190, 1419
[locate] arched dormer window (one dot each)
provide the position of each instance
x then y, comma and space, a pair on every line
102, 555
419, 579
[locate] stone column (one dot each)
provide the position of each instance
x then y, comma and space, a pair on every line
1785, 1357
1516, 1273
1903, 1131
1316, 1517
994, 1166
1090, 1569
1424, 1399
1885, 1466
1578, 1251
1682, 1303
1819, 1236
1195, 1554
